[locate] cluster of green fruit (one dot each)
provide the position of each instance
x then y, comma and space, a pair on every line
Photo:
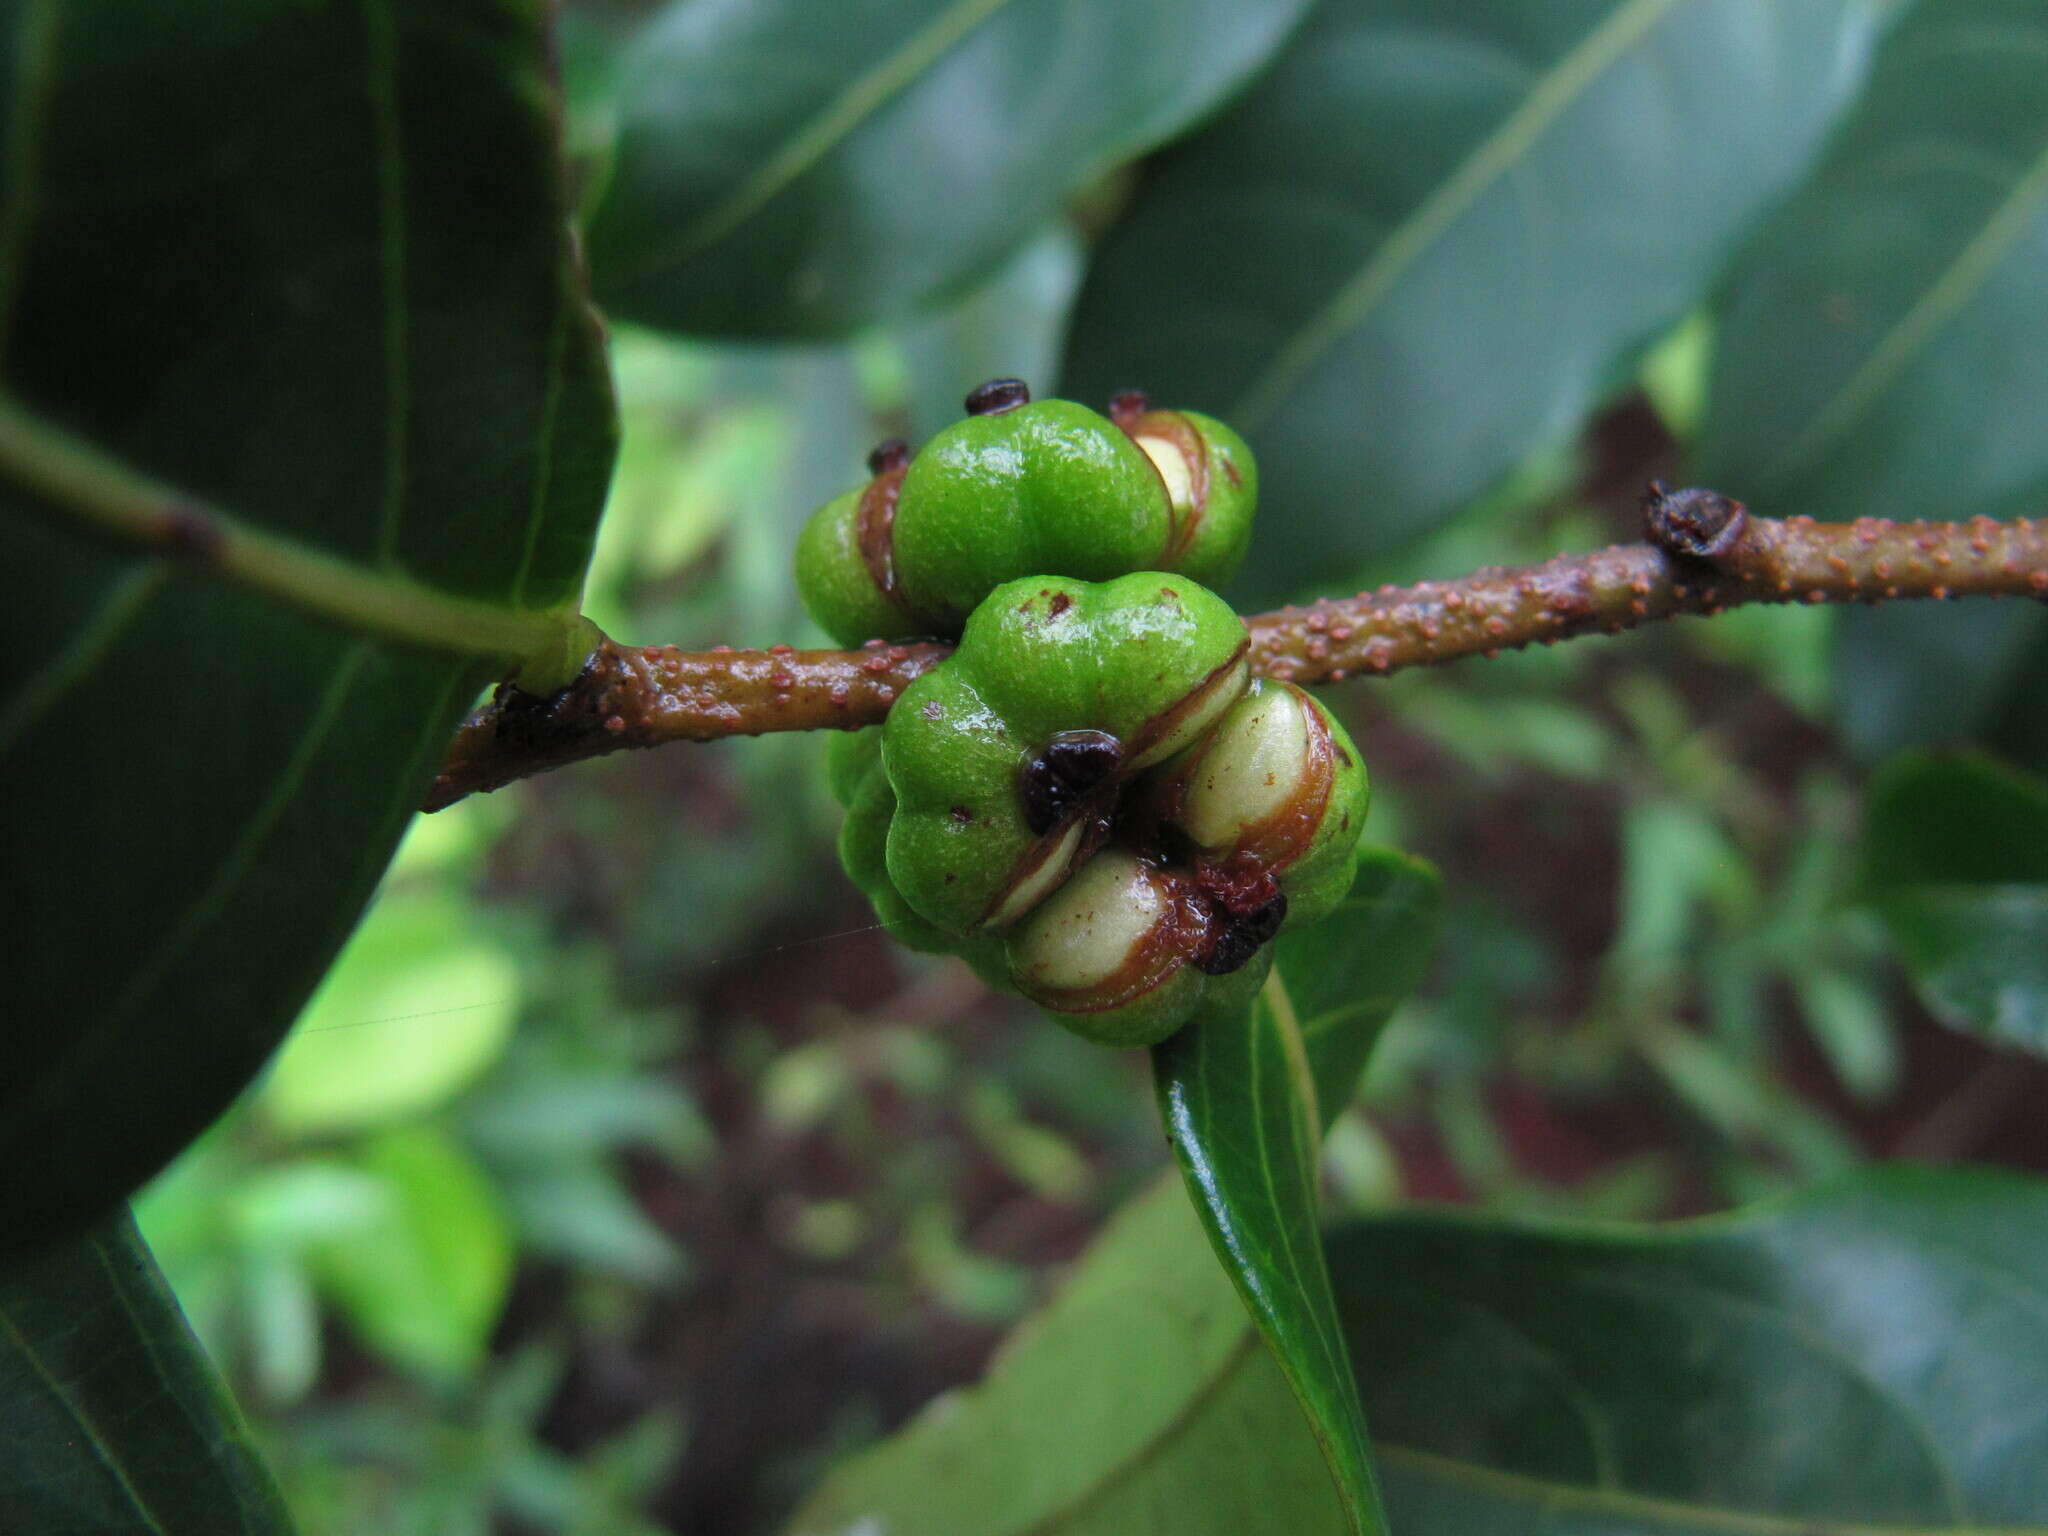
1092, 800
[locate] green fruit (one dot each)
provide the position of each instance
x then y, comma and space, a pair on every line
998, 796
854, 771
1114, 953
1277, 788
1211, 481
851, 602
1094, 804
1020, 489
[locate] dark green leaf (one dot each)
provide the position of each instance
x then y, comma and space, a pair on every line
793, 169
1914, 674
1885, 349
1241, 1099
1193, 1433
1432, 236
424, 1281
1956, 863
1870, 1357
1240, 1105
307, 265
1348, 974
111, 1420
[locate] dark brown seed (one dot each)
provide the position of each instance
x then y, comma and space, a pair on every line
997, 396
1127, 405
1239, 938
1072, 764
892, 453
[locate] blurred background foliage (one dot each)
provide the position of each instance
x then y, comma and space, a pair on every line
622, 1175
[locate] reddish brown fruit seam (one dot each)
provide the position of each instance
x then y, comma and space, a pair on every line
1182, 931
1173, 427
876, 528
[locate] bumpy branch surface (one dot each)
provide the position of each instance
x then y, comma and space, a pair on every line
1701, 553
633, 696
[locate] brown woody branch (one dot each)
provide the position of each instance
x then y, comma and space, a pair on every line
1701, 553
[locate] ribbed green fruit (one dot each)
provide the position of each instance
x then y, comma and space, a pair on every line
1048, 487
1148, 661
1094, 804
1277, 785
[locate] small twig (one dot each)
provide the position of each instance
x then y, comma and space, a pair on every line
1702, 553
630, 696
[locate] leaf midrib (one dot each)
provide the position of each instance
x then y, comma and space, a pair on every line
1273, 1011
1540, 1493
1305, 1132
1151, 1449
1536, 1493
86, 1426
1555, 90
93, 490
818, 135
1946, 297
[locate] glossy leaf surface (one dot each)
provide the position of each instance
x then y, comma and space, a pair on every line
1870, 1357
787, 168
1884, 351
1956, 863
1348, 975
1863, 1360
1194, 1433
1241, 1099
344, 314
1430, 237
111, 1419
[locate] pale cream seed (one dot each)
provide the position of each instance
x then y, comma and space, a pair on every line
1221, 692
1038, 880
1172, 465
1250, 769
1085, 935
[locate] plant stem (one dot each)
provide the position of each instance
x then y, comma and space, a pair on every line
81, 483
1701, 553
632, 696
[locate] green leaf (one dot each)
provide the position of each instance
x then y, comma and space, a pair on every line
303, 274
1350, 972
1865, 1359
789, 169
111, 1420
1194, 1433
1870, 1357
425, 1279
1956, 863
1053, 1446
1884, 350
1242, 1102
1432, 237
418, 1004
